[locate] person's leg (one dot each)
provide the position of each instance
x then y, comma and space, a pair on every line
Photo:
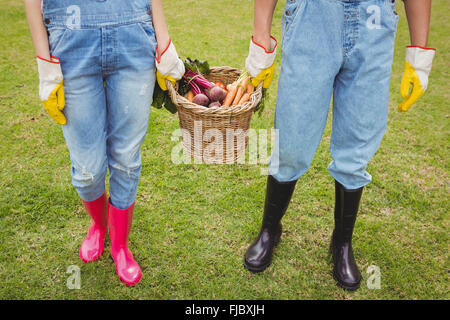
311, 57
84, 132
85, 110
129, 89
360, 110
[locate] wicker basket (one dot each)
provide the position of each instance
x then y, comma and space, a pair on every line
215, 135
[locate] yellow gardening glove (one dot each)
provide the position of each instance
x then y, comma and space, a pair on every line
265, 75
417, 69
260, 62
162, 80
55, 103
51, 90
169, 66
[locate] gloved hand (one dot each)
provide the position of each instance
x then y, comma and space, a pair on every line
417, 68
260, 62
169, 66
51, 90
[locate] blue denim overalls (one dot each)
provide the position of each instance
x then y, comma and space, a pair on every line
107, 50
341, 49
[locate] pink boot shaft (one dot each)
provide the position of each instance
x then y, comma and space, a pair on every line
119, 228
92, 246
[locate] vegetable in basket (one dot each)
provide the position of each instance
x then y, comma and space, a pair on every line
205, 92
201, 99
199, 90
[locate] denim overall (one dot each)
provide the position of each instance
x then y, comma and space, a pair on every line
341, 49
107, 50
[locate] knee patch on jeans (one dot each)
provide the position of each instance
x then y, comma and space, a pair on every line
132, 171
84, 178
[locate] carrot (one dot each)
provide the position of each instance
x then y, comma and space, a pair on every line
234, 84
244, 98
239, 93
230, 96
190, 96
250, 88
242, 84
245, 83
242, 87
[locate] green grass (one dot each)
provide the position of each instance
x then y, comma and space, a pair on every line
193, 223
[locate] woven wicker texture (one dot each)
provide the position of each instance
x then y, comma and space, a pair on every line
215, 135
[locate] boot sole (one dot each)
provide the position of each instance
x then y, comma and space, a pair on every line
131, 284
128, 284
346, 286
255, 269
87, 261
265, 266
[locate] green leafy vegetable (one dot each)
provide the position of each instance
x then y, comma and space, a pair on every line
162, 99
197, 66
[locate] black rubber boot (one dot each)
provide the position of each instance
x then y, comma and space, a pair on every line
259, 254
345, 270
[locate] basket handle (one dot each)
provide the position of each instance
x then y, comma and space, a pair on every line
172, 91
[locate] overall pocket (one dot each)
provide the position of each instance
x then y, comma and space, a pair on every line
55, 38
149, 34
291, 12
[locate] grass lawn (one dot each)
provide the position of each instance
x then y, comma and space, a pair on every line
193, 223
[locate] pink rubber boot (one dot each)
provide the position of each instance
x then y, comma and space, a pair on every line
119, 228
92, 246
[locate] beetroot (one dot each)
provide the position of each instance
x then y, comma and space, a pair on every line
215, 104
201, 99
217, 94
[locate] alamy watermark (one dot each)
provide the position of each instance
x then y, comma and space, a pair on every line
228, 146
74, 280
374, 20
374, 280
73, 20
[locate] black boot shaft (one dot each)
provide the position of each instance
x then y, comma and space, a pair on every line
345, 211
278, 196
345, 269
